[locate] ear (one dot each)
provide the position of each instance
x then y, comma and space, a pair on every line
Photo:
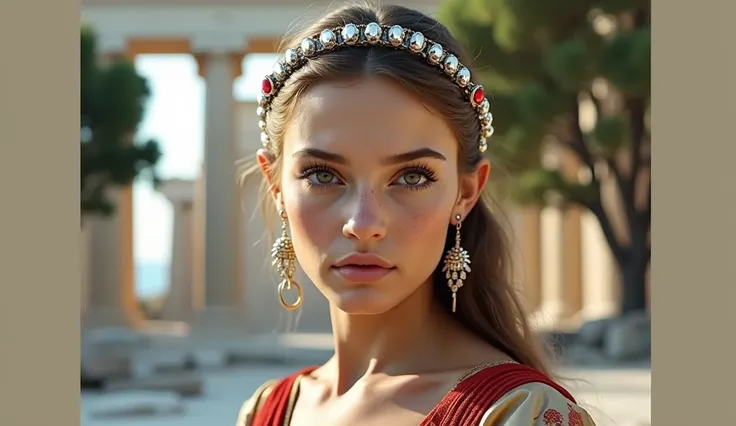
470, 189
266, 159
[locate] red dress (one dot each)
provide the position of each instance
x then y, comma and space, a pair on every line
465, 405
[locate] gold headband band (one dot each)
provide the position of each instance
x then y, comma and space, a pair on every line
375, 35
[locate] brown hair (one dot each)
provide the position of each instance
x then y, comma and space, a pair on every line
488, 304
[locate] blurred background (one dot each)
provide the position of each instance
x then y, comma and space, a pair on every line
180, 316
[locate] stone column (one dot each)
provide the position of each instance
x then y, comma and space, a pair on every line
198, 243
178, 303
572, 251
600, 289
222, 312
560, 253
555, 305
527, 249
111, 293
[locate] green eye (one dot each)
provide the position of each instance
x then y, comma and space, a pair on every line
324, 177
321, 177
413, 178
416, 178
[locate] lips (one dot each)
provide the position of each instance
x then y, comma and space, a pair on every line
363, 268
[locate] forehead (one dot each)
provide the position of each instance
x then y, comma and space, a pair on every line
366, 116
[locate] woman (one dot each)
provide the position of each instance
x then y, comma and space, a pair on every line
374, 133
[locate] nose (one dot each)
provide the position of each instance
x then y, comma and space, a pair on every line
365, 219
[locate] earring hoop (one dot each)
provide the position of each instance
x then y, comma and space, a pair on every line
284, 260
457, 264
283, 287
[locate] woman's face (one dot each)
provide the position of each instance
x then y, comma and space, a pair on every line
370, 183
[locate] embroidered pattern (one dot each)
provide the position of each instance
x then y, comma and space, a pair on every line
574, 418
552, 417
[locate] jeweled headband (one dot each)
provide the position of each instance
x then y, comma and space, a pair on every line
375, 35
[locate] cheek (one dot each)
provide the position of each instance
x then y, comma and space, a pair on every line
309, 218
427, 212
426, 228
422, 231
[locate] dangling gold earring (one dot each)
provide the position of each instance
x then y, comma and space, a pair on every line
457, 264
284, 259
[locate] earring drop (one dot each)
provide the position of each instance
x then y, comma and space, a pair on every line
457, 264
284, 260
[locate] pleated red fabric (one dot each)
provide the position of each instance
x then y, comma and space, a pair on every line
463, 406
467, 403
274, 409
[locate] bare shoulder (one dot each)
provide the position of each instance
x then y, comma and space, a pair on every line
251, 405
535, 404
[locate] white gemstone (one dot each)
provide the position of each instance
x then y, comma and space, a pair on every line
262, 125
484, 106
396, 35
308, 46
350, 33
373, 32
451, 64
278, 69
261, 99
261, 112
327, 38
488, 132
291, 56
417, 42
265, 139
435, 53
487, 118
463, 76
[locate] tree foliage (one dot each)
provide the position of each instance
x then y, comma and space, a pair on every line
542, 61
113, 97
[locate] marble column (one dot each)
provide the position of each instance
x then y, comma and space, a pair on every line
527, 250
600, 272
560, 253
555, 304
572, 240
222, 313
198, 243
111, 288
178, 303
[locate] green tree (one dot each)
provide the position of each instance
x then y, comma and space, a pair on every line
541, 61
113, 97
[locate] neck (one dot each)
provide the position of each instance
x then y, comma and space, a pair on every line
395, 342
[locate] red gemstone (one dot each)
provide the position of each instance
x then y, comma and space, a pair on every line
266, 86
478, 95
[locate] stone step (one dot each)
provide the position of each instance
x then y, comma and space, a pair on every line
182, 384
134, 403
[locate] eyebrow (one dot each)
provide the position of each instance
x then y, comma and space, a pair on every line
393, 159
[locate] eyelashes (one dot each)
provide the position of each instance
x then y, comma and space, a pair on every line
415, 177
316, 174
425, 175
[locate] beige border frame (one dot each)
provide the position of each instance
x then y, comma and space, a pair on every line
39, 223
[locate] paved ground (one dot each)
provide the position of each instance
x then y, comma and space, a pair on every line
614, 397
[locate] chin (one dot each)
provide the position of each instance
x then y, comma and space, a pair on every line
364, 300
